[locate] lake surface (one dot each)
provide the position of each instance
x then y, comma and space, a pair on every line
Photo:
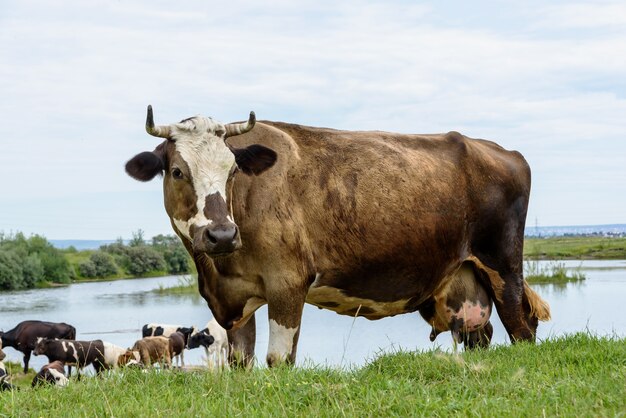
116, 311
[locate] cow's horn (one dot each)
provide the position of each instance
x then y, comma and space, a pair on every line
233, 129
160, 131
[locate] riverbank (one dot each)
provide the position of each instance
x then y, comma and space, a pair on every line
575, 248
577, 375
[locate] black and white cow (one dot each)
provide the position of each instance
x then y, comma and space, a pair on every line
165, 330
75, 353
52, 373
215, 342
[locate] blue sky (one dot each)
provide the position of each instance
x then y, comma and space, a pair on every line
545, 78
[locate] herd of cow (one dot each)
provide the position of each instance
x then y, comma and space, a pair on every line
160, 344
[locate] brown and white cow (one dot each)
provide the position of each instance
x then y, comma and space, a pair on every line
52, 373
24, 336
373, 224
154, 350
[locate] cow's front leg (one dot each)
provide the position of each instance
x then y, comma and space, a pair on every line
285, 315
241, 345
26, 360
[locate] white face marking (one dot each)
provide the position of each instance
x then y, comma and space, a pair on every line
209, 161
281, 341
60, 379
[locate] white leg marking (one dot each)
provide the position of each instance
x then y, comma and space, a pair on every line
281, 341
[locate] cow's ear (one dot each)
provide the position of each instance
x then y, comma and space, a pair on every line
146, 165
254, 159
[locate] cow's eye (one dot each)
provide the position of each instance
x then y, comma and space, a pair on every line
177, 174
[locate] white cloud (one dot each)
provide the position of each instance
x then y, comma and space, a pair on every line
76, 78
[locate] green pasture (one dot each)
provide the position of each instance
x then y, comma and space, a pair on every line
577, 375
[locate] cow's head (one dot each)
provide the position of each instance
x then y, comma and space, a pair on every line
40, 346
196, 162
202, 338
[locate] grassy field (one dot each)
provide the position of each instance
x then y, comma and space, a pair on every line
575, 248
578, 375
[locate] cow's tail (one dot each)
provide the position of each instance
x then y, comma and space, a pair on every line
537, 307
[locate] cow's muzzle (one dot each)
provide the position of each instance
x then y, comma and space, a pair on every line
215, 240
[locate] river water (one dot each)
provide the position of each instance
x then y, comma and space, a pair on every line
115, 312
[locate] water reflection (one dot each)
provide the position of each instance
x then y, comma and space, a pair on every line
115, 312
559, 289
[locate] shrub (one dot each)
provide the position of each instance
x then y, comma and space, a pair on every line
104, 264
177, 260
33, 270
87, 269
11, 273
142, 260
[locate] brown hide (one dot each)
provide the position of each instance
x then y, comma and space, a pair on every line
153, 349
372, 224
379, 216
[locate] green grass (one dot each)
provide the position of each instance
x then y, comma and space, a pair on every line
578, 375
575, 248
187, 285
553, 272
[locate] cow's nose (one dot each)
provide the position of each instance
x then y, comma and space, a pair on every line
221, 239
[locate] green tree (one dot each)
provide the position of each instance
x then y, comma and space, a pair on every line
142, 260
104, 264
137, 240
177, 259
34, 254
11, 273
33, 270
56, 267
87, 269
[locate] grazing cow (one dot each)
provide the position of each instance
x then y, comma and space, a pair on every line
24, 336
154, 349
154, 330
129, 358
177, 348
373, 224
215, 342
116, 356
52, 373
73, 353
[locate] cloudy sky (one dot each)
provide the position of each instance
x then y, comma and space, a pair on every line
547, 79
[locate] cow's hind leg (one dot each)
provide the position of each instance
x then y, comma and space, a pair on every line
241, 345
507, 288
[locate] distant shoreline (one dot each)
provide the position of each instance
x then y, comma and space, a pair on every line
609, 230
